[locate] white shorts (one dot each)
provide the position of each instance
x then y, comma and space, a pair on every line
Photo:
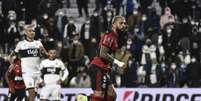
31, 80
51, 90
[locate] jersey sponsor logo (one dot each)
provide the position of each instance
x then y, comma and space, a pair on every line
51, 70
108, 40
29, 53
33, 52
18, 78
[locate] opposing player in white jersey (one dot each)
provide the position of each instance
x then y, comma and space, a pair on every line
53, 73
29, 51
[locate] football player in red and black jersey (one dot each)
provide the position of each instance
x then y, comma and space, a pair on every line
103, 89
15, 82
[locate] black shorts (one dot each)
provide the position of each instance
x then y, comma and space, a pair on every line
20, 94
100, 78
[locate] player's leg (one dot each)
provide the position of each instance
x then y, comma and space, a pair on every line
45, 92
111, 94
21, 94
30, 86
11, 96
56, 93
96, 81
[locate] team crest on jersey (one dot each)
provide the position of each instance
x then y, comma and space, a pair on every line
109, 40
30, 84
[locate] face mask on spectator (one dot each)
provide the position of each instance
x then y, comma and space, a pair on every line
169, 30
87, 26
71, 22
171, 19
173, 66
148, 42
144, 17
185, 20
59, 44
129, 41
183, 66
93, 40
95, 14
193, 60
128, 46
135, 12
75, 41
163, 64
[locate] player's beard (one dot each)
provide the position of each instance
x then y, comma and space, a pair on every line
121, 31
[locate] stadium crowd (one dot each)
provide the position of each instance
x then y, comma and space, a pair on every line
161, 46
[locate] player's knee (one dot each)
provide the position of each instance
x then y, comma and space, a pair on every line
98, 93
32, 92
112, 93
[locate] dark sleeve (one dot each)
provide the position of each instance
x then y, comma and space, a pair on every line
42, 74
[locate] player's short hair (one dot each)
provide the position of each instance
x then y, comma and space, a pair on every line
52, 48
115, 18
28, 26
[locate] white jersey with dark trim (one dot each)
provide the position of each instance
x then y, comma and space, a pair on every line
30, 55
51, 70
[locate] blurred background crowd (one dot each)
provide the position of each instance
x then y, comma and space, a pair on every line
161, 46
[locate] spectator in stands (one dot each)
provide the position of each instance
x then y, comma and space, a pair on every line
92, 48
52, 30
4, 64
49, 6
134, 20
75, 55
195, 42
117, 5
82, 4
82, 79
69, 30
148, 58
100, 4
193, 71
85, 34
161, 74
107, 14
173, 75
166, 18
11, 32
2, 27
90, 31
96, 25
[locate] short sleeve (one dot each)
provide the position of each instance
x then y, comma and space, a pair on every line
41, 66
106, 40
17, 48
62, 65
40, 44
